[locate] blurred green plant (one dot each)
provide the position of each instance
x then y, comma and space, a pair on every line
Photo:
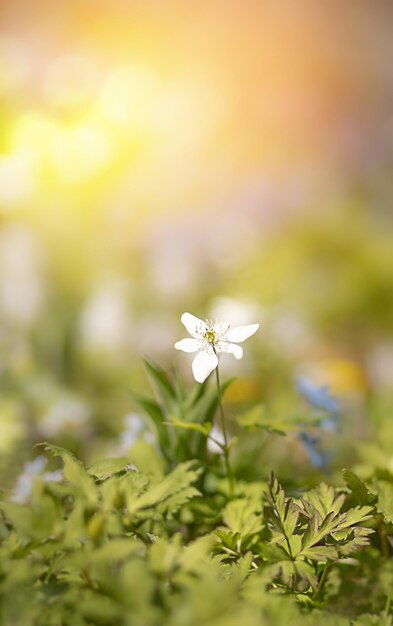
154, 537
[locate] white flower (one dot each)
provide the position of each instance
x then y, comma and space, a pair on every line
208, 339
31, 471
216, 435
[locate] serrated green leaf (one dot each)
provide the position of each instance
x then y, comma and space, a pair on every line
74, 472
316, 532
384, 491
319, 553
243, 516
285, 512
272, 553
162, 493
325, 500
108, 467
352, 540
256, 418
357, 515
177, 500
360, 493
147, 459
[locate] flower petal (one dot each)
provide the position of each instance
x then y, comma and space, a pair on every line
203, 365
230, 348
241, 333
194, 325
188, 345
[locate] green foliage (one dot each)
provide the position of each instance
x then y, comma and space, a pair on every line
152, 538
182, 422
114, 545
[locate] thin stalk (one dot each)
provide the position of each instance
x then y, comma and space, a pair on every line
225, 447
387, 606
322, 579
382, 536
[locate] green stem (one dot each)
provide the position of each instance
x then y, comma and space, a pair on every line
322, 579
225, 447
387, 605
382, 536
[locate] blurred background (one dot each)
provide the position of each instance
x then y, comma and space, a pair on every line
232, 159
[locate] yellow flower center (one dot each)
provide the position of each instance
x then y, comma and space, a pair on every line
210, 336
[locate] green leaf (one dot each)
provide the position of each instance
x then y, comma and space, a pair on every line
21, 517
74, 472
316, 531
162, 493
161, 379
197, 393
324, 500
154, 411
256, 418
204, 429
355, 539
147, 459
319, 553
384, 491
272, 553
307, 574
357, 515
285, 512
205, 409
108, 467
243, 516
360, 492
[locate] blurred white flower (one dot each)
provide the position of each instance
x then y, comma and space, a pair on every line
134, 426
21, 276
290, 330
65, 413
210, 338
25, 481
380, 365
238, 311
105, 322
217, 434
17, 179
134, 429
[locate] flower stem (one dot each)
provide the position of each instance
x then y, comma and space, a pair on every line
382, 536
322, 579
225, 447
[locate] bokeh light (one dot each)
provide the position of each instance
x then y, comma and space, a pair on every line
233, 159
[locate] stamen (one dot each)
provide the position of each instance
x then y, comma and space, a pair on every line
210, 336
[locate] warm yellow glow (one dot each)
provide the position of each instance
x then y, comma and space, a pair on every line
129, 95
81, 152
17, 180
69, 80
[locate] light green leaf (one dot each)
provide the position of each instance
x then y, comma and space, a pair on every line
319, 553
384, 491
360, 493
74, 472
108, 467
161, 379
244, 516
162, 493
204, 429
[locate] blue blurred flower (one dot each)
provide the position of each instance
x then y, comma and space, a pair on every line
317, 457
319, 398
